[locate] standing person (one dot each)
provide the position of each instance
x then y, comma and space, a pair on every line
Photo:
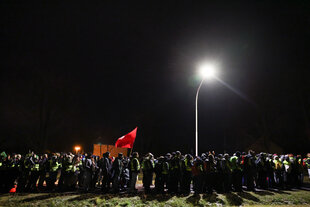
236, 175
299, 171
43, 167
106, 165
287, 172
262, 165
95, 171
198, 175
34, 175
175, 172
277, 172
27, 171
9, 175
70, 176
14, 171
306, 163
125, 175
249, 169
148, 169
165, 172
269, 165
226, 173
210, 169
80, 170
77, 163
220, 166
187, 174
117, 168
159, 180
134, 171
53, 171
87, 173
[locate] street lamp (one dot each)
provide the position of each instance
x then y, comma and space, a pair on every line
77, 148
207, 71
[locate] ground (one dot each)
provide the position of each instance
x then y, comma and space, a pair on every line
272, 197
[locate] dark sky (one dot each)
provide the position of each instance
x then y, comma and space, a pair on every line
74, 72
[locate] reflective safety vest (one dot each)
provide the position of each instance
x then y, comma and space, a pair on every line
234, 164
188, 165
165, 170
69, 168
287, 166
132, 166
277, 164
199, 167
54, 166
26, 163
175, 164
148, 164
307, 162
35, 167
79, 166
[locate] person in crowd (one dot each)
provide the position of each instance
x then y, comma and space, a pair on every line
198, 175
117, 168
249, 170
306, 163
236, 175
176, 173
148, 166
134, 171
106, 167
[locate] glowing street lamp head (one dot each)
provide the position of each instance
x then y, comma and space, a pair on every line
77, 148
207, 71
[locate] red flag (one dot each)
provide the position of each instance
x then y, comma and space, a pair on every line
127, 140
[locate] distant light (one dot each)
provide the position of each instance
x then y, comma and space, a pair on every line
207, 70
77, 148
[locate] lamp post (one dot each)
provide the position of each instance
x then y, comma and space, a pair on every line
207, 71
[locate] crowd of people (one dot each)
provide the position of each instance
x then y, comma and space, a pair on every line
172, 173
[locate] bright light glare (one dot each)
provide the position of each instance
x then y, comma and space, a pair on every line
77, 148
207, 71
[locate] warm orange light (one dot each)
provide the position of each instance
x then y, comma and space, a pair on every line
77, 148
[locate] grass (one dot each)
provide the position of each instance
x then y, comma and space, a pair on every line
260, 198
265, 198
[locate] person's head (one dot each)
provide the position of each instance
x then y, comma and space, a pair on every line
262, 155
106, 154
161, 158
238, 154
211, 157
135, 155
120, 155
89, 156
251, 152
188, 157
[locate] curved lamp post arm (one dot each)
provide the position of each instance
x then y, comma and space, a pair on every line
196, 113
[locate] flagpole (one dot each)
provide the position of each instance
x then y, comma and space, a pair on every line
131, 149
132, 146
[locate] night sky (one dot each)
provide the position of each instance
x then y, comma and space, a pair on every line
89, 72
